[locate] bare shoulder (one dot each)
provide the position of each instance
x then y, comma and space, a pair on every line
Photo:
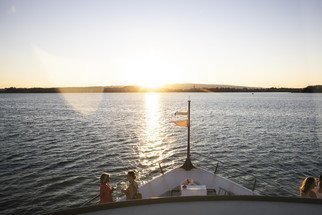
135, 184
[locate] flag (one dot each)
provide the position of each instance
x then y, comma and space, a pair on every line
181, 113
182, 123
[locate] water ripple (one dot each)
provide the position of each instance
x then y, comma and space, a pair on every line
52, 149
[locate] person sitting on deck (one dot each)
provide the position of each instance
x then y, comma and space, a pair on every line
132, 191
318, 188
306, 189
105, 189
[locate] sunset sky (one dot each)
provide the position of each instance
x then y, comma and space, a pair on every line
151, 43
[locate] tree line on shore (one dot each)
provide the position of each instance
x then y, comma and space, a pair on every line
134, 89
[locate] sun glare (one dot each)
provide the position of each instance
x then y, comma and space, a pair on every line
150, 85
149, 72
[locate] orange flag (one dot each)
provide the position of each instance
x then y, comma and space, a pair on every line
182, 123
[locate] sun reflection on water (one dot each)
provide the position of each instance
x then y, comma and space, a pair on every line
152, 116
151, 147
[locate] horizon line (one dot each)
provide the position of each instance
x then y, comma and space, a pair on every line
161, 87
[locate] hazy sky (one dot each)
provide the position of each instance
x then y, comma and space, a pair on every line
86, 43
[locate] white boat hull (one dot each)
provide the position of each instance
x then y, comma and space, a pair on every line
219, 205
170, 181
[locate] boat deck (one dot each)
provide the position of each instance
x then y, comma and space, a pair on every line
177, 192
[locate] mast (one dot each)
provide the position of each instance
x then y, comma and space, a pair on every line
187, 164
188, 126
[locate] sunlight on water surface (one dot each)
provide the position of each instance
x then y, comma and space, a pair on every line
151, 147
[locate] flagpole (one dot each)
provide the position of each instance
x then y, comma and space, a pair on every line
187, 164
188, 147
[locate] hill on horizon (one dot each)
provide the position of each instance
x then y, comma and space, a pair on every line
181, 86
185, 86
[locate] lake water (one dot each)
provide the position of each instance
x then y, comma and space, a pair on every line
54, 146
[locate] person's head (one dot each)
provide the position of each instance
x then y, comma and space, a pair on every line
105, 178
307, 184
131, 175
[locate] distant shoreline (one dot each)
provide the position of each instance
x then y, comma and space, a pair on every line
135, 89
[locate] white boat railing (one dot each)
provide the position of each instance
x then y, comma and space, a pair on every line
253, 179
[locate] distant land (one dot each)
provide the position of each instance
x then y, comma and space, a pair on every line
167, 88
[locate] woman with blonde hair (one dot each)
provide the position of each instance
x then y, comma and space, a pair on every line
306, 189
132, 192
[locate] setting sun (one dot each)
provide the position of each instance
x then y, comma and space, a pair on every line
149, 72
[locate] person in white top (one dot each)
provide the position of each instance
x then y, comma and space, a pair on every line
318, 188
